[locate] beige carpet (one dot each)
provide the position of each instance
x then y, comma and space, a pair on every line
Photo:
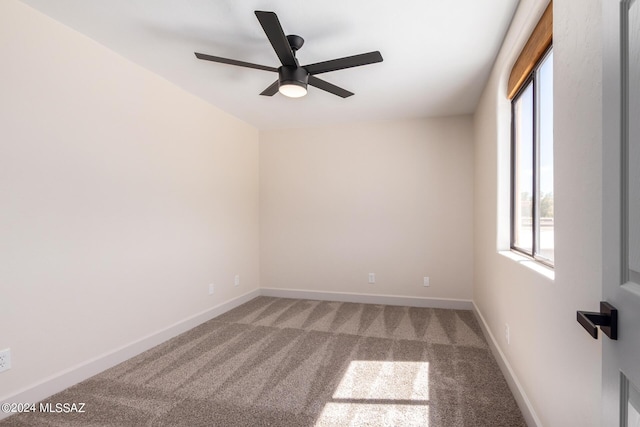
287, 362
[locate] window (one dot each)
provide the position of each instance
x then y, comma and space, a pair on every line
532, 219
530, 89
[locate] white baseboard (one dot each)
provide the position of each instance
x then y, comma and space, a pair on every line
455, 304
522, 400
63, 380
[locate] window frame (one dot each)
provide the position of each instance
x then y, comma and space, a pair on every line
531, 78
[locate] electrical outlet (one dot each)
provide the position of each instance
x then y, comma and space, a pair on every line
507, 334
372, 278
425, 281
236, 281
5, 359
211, 289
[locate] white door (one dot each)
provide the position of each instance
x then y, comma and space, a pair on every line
621, 210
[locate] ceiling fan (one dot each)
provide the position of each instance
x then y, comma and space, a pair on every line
292, 77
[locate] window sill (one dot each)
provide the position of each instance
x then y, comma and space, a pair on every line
532, 264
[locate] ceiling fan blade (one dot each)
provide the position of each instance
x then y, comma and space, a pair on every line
331, 88
234, 62
342, 63
273, 30
272, 89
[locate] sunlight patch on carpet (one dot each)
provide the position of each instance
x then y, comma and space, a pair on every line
366, 379
380, 393
365, 414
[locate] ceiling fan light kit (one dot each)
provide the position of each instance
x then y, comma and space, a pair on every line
292, 77
292, 81
292, 90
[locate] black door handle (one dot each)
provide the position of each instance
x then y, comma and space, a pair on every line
607, 319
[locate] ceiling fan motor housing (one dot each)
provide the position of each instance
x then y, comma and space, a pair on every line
293, 76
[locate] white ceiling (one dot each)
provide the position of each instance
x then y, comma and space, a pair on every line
437, 53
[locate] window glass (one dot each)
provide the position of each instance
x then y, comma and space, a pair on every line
532, 227
545, 140
523, 179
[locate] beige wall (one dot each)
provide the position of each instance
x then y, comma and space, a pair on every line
122, 197
555, 361
393, 198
